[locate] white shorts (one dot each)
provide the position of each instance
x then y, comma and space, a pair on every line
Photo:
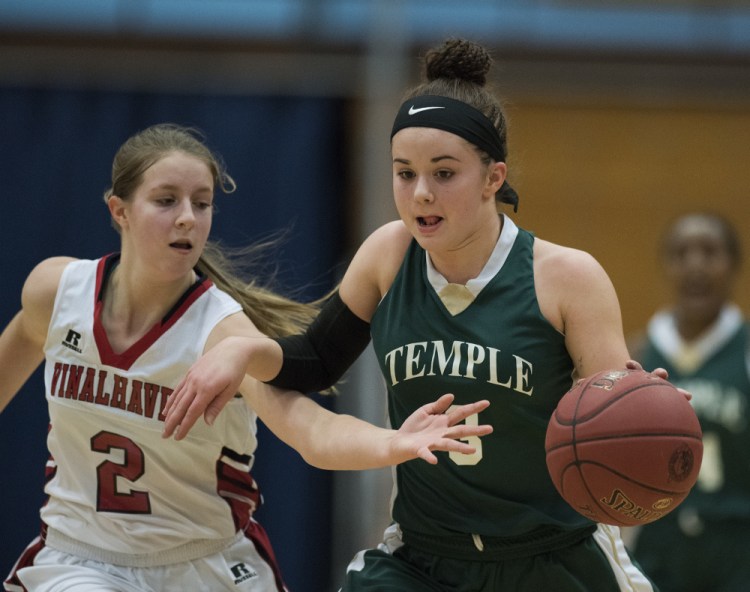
241, 567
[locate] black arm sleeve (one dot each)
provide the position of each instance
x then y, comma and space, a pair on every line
316, 359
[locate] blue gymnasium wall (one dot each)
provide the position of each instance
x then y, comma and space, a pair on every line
56, 151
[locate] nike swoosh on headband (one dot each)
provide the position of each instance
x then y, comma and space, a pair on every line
412, 110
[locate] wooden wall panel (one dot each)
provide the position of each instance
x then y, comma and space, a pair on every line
607, 179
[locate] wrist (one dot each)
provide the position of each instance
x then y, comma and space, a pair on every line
396, 452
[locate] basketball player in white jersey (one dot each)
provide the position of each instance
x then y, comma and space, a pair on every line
127, 509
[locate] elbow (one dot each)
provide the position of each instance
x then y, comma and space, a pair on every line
317, 460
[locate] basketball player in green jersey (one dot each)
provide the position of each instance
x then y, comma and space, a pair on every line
702, 340
458, 299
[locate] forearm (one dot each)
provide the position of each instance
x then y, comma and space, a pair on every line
324, 439
343, 442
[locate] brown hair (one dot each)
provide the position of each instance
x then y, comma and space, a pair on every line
273, 314
458, 69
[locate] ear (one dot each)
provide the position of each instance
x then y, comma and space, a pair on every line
118, 210
496, 174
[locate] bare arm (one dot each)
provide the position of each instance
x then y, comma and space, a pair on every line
334, 441
373, 268
20, 354
22, 341
578, 298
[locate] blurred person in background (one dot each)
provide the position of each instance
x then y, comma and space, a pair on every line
701, 339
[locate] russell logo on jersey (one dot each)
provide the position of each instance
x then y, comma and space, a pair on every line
242, 572
73, 341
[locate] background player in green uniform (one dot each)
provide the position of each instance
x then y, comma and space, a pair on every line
702, 340
458, 299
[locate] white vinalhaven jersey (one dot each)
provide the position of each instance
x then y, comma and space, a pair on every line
118, 491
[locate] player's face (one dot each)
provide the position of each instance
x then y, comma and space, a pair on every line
700, 267
168, 219
443, 191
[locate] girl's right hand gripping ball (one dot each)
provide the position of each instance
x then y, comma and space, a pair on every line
624, 447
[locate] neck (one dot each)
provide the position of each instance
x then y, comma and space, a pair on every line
691, 326
133, 304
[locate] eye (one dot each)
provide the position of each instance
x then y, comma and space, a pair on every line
165, 200
405, 174
444, 174
203, 205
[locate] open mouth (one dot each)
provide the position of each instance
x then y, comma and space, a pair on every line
181, 245
696, 287
428, 220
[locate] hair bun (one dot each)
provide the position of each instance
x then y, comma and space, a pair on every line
458, 59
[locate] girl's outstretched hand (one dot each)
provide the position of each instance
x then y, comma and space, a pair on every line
437, 426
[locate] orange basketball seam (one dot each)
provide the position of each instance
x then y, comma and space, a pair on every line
574, 442
575, 419
619, 474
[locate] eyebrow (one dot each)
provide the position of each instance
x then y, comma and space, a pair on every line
172, 187
433, 160
162, 186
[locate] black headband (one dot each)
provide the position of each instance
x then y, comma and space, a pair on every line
457, 118
452, 116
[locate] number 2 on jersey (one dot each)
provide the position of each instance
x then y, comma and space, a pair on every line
108, 497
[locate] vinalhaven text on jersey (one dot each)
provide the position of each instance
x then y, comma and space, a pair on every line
98, 387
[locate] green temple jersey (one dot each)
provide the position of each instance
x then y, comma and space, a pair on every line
720, 389
502, 349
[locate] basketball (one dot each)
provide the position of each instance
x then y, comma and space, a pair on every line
624, 447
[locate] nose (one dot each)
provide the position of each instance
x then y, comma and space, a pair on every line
185, 214
423, 190
695, 259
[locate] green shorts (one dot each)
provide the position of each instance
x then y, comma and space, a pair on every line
683, 552
598, 562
